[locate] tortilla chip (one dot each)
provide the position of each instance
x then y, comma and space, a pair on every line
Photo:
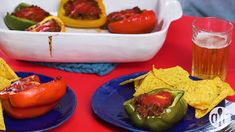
134, 79
215, 102
221, 85
4, 83
2, 124
203, 95
199, 94
149, 83
224, 90
7, 72
172, 76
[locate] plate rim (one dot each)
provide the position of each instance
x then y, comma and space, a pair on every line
104, 119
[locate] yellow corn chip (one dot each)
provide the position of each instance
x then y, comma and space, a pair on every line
224, 91
199, 94
7, 72
149, 83
137, 83
7, 75
172, 75
203, 95
4, 83
215, 102
134, 79
221, 85
2, 124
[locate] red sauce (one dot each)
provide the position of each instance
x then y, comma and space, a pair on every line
33, 13
48, 26
154, 104
161, 99
82, 9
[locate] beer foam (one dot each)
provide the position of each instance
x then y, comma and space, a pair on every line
210, 40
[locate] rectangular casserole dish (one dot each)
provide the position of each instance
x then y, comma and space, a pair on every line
88, 45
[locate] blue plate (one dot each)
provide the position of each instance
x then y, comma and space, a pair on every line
107, 103
52, 119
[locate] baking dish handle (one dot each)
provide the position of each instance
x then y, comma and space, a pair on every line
173, 10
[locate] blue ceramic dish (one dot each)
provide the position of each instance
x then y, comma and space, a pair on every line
61, 113
107, 104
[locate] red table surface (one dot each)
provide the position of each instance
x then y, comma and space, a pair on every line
177, 50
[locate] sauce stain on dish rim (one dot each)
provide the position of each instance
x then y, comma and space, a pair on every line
50, 45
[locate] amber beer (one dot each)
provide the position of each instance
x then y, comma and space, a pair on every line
210, 56
211, 38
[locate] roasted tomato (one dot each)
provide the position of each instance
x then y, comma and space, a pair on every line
131, 21
49, 24
28, 97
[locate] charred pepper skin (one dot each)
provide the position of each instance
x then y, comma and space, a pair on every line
78, 23
171, 115
132, 21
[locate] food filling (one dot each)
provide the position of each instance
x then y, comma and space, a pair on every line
22, 84
82, 9
154, 104
48, 26
124, 14
33, 13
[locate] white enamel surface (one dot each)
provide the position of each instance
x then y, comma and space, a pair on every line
88, 45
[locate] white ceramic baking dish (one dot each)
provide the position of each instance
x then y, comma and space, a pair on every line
88, 45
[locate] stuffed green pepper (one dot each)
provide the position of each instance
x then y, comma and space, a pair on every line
157, 110
24, 16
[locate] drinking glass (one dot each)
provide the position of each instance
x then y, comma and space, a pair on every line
211, 38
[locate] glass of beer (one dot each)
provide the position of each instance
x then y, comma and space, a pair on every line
211, 38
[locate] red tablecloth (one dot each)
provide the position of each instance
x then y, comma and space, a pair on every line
176, 51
